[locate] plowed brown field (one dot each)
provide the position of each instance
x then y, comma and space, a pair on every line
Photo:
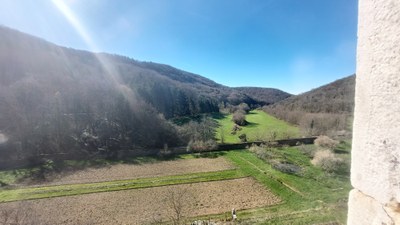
143, 206
131, 171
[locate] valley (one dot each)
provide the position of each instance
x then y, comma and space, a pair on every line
68, 116
141, 190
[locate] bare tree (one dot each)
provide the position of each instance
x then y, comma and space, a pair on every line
239, 118
177, 202
222, 134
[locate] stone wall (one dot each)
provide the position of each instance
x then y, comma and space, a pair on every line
375, 169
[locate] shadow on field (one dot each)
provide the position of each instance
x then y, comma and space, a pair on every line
251, 113
218, 116
252, 124
338, 151
209, 155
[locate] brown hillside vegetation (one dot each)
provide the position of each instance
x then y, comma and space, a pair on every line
320, 110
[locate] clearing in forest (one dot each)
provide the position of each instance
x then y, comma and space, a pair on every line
261, 126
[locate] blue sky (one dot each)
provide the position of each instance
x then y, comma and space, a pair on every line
293, 45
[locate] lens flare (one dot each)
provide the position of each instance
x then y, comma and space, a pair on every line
73, 20
111, 72
3, 138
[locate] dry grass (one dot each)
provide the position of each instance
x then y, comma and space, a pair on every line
148, 205
328, 161
326, 142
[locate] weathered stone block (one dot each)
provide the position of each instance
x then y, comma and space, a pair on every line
364, 210
376, 132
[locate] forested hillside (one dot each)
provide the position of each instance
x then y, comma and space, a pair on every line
264, 96
57, 100
321, 110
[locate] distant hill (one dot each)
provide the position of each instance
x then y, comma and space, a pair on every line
335, 97
321, 110
265, 96
174, 92
59, 100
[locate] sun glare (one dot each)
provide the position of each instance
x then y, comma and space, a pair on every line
73, 20
3, 138
110, 70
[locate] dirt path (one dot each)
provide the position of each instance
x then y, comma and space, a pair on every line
148, 205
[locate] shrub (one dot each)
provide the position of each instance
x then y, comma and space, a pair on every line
328, 161
272, 135
165, 152
265, 153
326, 142
286, 167
3, 184
307, 150
243, 138
236, 128
261, 151
43, 171
202, 146
255, 148
202, 130
244, 107
239, 118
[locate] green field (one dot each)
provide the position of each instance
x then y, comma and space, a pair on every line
260, 128
310, 196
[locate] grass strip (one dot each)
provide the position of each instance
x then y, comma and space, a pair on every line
323, 198
118, 185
